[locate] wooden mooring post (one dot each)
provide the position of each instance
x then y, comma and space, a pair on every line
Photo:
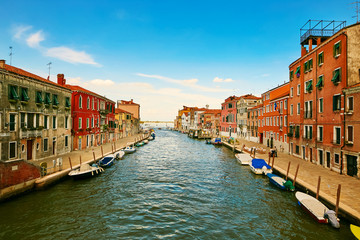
318, 188
115, 146
287, 172
80, 159
102, 152
70, 163
338, 199
272, 165
94, 157
296, 173
112, 148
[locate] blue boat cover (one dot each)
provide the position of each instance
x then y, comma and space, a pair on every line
105, 160
217, 140
259, 163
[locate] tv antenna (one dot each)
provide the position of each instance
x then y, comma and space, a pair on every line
10, 54
49, 64
356, 10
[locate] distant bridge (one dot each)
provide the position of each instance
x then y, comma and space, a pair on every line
160, 124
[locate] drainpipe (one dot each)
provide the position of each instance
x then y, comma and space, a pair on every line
316, 105
344, 116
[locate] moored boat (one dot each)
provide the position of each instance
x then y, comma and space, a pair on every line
139, 144
146, 141
216, 141
280, 182
259, 166
129, 148
317, 209
119, 154
86, 171
243, 158
107, 161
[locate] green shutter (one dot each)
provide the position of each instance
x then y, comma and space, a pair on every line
320, 82
297, 73
334, 103
336, 77
310, 132
309, 86
310, 64
47, 98
67, 102
24, 95
55, 100
13, 93
39, 98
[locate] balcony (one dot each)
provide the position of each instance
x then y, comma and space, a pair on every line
30, 133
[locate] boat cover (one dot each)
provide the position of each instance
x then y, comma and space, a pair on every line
259, 163
217, 140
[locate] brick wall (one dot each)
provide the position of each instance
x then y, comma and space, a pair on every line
15, 172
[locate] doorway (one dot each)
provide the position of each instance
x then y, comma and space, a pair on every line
351, 165
29, 148
328, 159
304, 152
54, 145
79, 147
321, 160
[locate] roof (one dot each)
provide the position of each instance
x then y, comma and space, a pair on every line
24, 73
280, 96
81, 89
212, 111
118, 110
257, 106
249, 96
124, 102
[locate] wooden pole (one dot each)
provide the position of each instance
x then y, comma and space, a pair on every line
269, 159
94, 157
287, 172
102, 152
272, 165
80, 159
255, 153
338, 199
318, 188
115, 145
297, 169
70, 163
112, 148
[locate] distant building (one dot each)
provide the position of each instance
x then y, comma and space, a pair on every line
242, 105
134, 109
228, 124
254, 123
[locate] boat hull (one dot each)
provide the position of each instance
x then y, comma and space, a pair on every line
277, 182
76, 174
312, 206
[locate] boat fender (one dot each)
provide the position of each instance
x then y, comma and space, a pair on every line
92, 173
264, 168
333, 220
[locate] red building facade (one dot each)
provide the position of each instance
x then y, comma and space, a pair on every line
228, 117
93, 117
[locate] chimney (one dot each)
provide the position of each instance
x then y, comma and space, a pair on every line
318, 41
2, 63
303, 51
60, 79
310, 45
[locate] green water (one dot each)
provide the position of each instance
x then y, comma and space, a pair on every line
172, 188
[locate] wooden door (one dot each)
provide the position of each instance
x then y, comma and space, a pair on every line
29, 148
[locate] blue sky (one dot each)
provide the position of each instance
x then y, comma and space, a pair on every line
162, 54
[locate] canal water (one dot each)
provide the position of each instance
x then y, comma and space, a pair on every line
172, 188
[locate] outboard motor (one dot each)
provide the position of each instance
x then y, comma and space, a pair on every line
333, 220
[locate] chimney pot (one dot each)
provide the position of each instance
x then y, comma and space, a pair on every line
2, 63
60, 79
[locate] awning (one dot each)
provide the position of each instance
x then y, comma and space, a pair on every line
39, 98
56, 102
309, 86
24, 94
13, 92
336, 78
320, 83
297, 73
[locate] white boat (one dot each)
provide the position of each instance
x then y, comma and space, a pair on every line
119, 154
259, 166
86, 171
130, 148
146, 141
243, 158
317, 209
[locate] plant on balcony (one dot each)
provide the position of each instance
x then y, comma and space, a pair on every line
40, 128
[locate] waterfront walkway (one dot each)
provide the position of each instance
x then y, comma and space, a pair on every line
308, 178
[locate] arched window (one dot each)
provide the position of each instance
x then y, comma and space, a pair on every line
93, 104
88, 103
80, 101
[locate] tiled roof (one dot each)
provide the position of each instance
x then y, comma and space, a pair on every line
24, 73
118, 110
280, 96
249, 96
213, 111
81, 89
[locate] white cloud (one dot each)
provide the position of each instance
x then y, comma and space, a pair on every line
217, 79
191, 83
34, 39
101, 82
69, 55
265, 75
20, 30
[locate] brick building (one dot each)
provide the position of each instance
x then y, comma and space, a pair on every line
228, 126
242, 105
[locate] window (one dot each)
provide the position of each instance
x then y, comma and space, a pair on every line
291, 109
12, 150
298, 89
55, 100
93, 104
13, 93
12, 122
39, 98
80, 101
320, 82
98, 105
22, 120
297, 131
308, 109
336, 102
291, 77
337, 158
321, 59
298, 109
54, 122
80, 123
336, 76
285, 104
66, 122
66, 141
337, 135
285, 120
87, 122
46, 118
350, 134
308, 130
337, 49
92, 122
47, 99
297, 73
230, 105
67, 102
46, 144
24, 95
30, 120
291, 92
320, 134
350, 104
88, 103
321, 105
37, 121
308, 86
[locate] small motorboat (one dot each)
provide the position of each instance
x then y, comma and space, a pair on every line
355, 230
208, 141
280, 182
139, 144
86, 171
259, 166
119, 154
317, 209
146, 141
243, 158
216, 141
107, 161
129, 148
150, 138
